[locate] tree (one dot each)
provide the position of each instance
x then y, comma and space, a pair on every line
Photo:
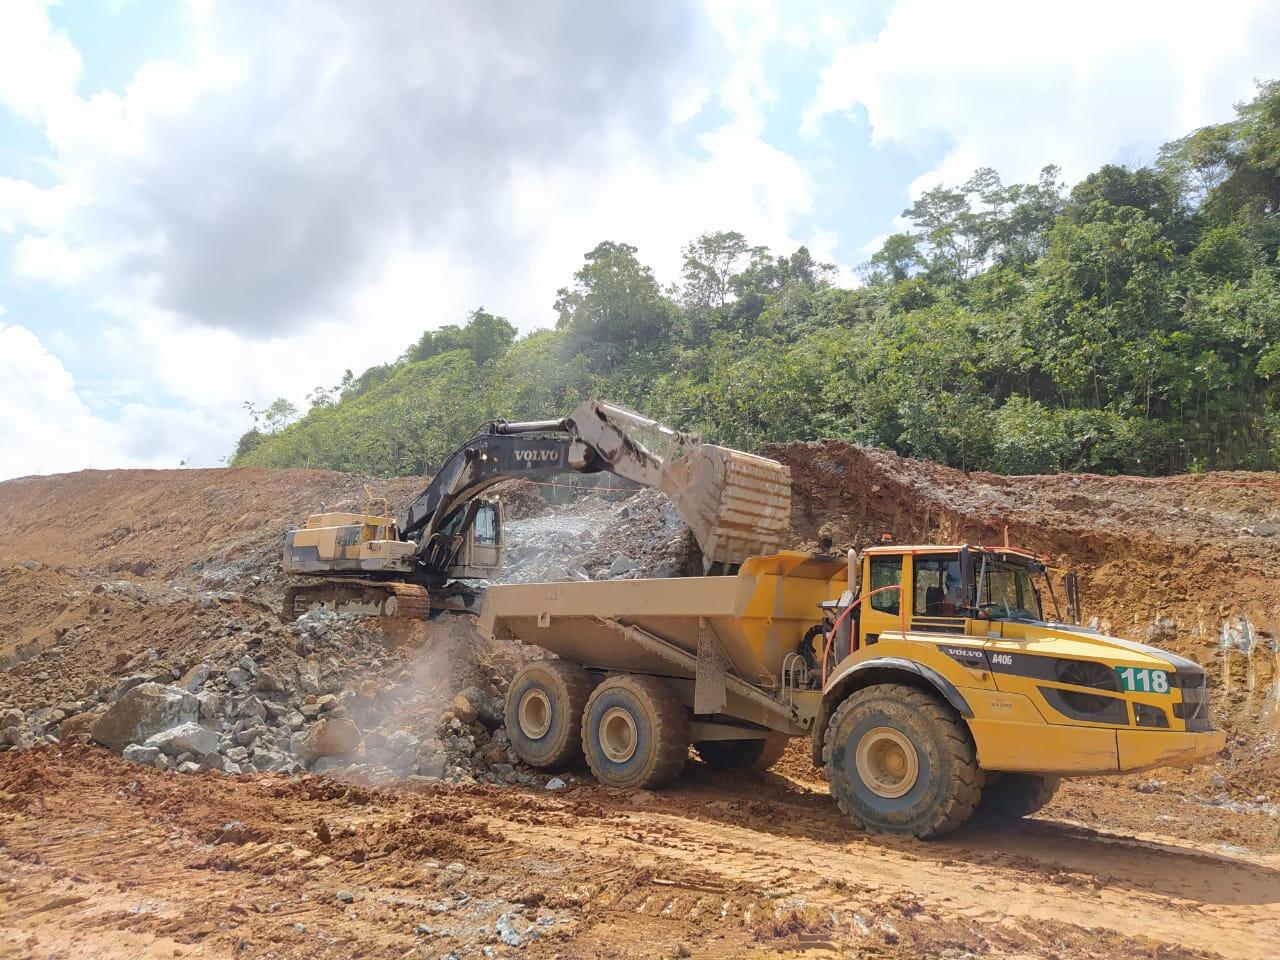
615, 308
279, 415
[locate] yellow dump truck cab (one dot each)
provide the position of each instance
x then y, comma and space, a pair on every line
973, 629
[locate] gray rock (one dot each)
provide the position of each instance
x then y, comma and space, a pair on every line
293, 719
555, 783
237, 754
138, 753
237, 677
195, 678
12, 717
208, 704
31, 565
345, 896
252, 707
186, 738
143, 712
247, 664
309, 679
270, 681
188, 767
507, 931
249, 735
125, 684
621, 566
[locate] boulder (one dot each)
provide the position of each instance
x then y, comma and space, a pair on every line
330, 738
79, 726
195, 678
12, 717
138, 753
463, 707
125, 684
143, 712
209, 704
270, 681
187, 737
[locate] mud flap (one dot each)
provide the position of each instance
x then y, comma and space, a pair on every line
709, 694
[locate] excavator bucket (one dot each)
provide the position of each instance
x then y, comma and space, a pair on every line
737, 504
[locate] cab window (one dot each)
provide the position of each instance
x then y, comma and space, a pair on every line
886, 571
936, 585
486, 525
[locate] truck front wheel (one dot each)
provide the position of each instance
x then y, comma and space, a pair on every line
635, 733
543, 712
900, 761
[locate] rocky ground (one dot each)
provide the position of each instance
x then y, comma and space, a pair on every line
183, 774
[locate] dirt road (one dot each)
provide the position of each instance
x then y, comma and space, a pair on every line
104, 858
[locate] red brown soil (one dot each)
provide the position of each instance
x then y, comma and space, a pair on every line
99, 857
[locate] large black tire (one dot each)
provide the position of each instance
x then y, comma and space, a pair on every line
1014, 795
543, 713
900, 761
742, 754
635, 733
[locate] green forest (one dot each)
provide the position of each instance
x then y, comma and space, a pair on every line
1127, 324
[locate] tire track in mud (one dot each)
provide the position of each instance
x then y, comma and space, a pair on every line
102, 858
1019, 876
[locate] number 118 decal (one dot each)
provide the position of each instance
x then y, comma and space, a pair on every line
1143, 681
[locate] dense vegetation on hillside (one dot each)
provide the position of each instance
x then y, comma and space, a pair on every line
1131, 323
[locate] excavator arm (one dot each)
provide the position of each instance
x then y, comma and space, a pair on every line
738, 505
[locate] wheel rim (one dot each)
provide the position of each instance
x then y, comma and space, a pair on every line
535, 714
618, 736
887, 762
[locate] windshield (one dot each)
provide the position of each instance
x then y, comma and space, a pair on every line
1007, 592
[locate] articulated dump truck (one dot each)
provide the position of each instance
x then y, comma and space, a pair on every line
930, 681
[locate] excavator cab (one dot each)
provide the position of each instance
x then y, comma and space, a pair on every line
476, 534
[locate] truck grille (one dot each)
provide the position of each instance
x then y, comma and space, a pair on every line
1194, 708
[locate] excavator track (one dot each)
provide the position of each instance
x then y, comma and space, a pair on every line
399, 601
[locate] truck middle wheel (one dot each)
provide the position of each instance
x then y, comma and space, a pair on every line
899, 760
635, 733
543, 713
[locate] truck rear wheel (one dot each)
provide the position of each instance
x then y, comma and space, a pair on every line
543, 712
742, 754
1014, 795
900, 761
635, 733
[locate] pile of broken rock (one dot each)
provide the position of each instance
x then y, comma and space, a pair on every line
322, 694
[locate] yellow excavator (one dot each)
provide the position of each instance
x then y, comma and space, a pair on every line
738, 505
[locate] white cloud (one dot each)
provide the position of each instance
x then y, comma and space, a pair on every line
47, 427
314, 186
1017, 85
44, 426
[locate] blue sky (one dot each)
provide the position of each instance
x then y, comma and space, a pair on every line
209, 202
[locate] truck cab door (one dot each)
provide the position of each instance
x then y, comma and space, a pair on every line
881, 611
